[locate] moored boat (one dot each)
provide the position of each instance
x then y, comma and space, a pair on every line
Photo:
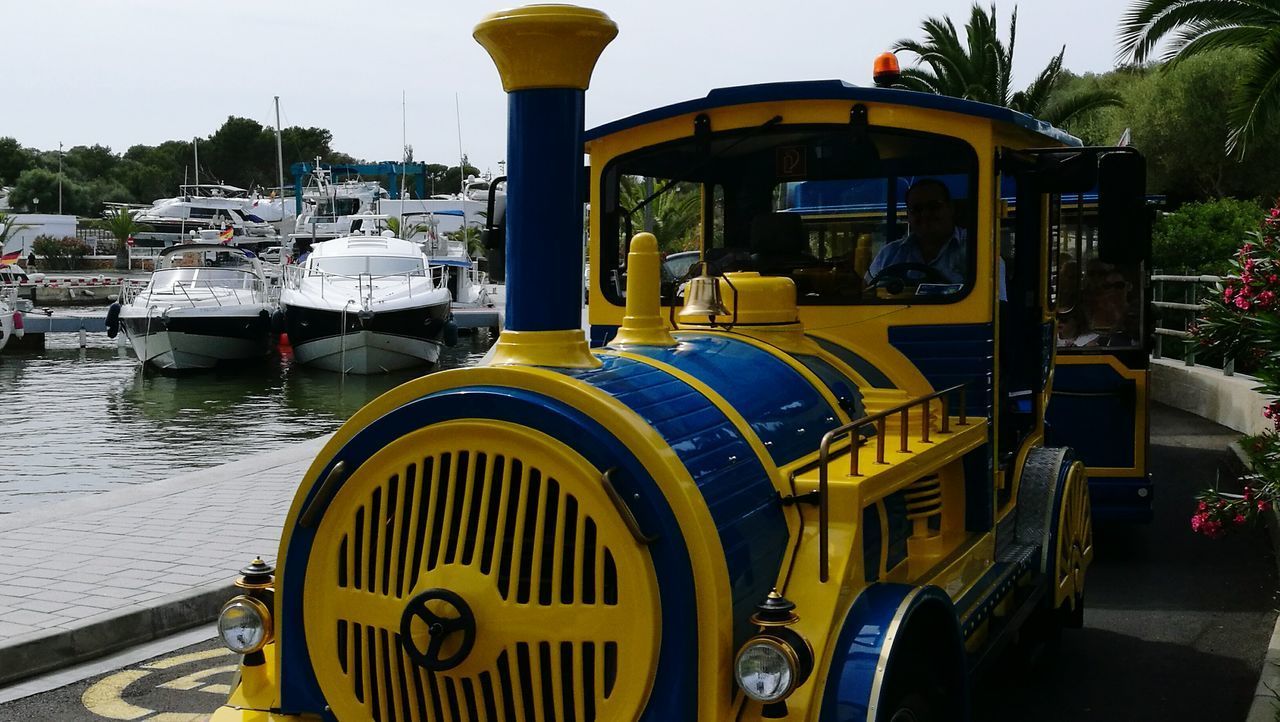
205, 304
366, 304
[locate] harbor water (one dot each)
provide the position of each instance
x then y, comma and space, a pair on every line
82, 421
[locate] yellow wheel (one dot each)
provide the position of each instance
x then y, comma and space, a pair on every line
1074, 548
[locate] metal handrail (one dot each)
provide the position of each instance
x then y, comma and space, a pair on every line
850, 429
1190, 303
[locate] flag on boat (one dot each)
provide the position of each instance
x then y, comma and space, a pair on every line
225, 236
10, 258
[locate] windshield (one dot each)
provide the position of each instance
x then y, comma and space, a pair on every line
175, 280
372, 265
878, 216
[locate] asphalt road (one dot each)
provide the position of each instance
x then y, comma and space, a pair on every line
1176, 627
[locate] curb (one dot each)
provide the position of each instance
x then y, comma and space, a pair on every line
1266, 695
33, 654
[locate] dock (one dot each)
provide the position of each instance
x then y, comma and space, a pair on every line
39, 323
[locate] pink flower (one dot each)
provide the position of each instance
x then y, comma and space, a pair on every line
1197, 521
1273, 278
1239, 520
1242, 303
1213, 529
1202, 507
1228, 293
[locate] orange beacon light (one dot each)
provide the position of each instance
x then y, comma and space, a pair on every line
885, 72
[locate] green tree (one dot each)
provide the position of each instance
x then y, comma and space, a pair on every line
980, 68
90, 162
122, 226
1203, 237
1175, 117
676, 211
1191, 28
43, 184
13, 160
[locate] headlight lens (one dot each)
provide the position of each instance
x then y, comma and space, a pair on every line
765, 671
244, 625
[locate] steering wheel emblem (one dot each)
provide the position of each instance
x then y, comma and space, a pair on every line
450, 624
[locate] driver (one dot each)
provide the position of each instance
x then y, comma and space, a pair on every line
932, 240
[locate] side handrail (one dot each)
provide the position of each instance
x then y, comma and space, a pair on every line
851, 430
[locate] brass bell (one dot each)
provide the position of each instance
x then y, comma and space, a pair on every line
702, 299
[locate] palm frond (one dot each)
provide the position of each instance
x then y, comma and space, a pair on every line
1061, 110
1147, 22
1259, 99
1200, 38
1038, 93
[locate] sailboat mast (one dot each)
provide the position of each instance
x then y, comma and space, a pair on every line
195, 145
462, 173
280, 168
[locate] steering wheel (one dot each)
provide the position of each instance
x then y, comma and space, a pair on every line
893, 278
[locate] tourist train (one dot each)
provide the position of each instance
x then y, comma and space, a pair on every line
811, 481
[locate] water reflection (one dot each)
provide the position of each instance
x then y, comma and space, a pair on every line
90, 420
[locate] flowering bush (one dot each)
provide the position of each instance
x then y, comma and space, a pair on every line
1242, 321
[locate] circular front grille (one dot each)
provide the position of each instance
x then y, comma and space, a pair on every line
517, 528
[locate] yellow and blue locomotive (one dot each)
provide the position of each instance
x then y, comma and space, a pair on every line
807, 480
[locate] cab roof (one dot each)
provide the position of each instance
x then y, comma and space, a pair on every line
835, 90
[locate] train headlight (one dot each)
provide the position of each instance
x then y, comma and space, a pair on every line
774, 662
245, 625
766, 669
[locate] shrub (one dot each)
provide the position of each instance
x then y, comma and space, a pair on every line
61, 253
1202, 237
1242, 321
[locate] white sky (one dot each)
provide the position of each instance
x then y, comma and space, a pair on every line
121, 72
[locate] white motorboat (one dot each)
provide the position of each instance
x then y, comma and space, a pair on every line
10, 320
185, 213
205, 303
333, 206
366, 304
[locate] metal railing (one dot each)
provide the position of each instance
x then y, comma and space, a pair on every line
879, 419
1190, 289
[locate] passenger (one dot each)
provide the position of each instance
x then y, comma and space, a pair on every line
1073, 330
932, 240
1106, 294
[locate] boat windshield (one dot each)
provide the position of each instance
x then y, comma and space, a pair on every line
371, 265
174, 280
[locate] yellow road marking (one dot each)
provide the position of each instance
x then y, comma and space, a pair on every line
179, 717
104, 700
196, 679
169, 662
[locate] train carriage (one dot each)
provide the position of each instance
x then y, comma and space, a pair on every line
810, 481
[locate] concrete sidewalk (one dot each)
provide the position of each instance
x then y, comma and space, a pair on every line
96, 574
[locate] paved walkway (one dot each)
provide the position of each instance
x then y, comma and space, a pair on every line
94, 574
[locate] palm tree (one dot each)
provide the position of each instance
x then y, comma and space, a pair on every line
9, 225
122, 226
676, 210
1196, 27
981, 68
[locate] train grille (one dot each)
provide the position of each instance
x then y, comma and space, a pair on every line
529, 540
